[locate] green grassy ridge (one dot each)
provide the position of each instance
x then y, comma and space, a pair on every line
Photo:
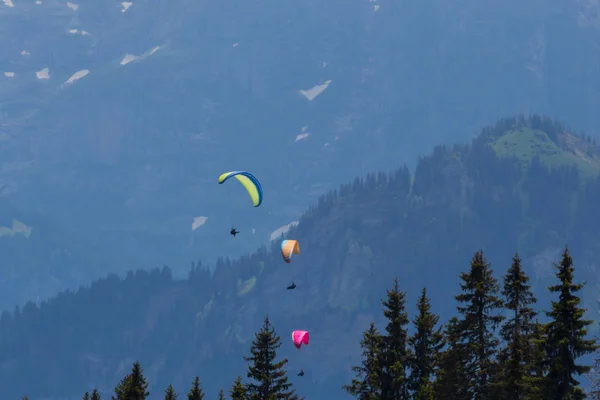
527, 138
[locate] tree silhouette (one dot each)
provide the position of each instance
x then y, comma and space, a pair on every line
426, 344
238, 390
269, 380
133, 386
195, 392
367, 382
516, 358
170, 393
479, 307
395, 357
565, 336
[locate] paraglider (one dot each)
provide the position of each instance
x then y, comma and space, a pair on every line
300, 338
289, 247
250, 183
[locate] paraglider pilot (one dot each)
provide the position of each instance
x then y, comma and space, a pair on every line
292, 286
301, 373
233, 232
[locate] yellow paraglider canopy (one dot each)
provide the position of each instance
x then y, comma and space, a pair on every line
250, 183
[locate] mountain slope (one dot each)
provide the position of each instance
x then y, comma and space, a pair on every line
41, 258
420, 227
303, 94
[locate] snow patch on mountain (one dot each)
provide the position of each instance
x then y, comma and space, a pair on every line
303, 134
43, 73
283, 230
131, 57
77, 31
126, 5
77, 75
316, 90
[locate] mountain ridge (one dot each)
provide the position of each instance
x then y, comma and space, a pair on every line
147, 136
353, 240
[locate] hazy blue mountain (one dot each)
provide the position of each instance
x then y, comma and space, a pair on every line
40, 258
526, 185
176, 94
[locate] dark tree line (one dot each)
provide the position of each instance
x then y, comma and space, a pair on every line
495, 348
503, 205
266, 377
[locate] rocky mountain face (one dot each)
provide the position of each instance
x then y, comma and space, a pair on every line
117, 118
421, 227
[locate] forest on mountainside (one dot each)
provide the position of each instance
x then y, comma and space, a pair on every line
526, 184
496, 348
138, 159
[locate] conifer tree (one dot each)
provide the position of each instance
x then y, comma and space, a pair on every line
395, 356
516, 357
96, 395
269, 379
238, 390
536, 379
426, 344
221, 395
453, 379
133, 386
195, 392
566, 336
480, 309
367, 383
170, 393
86, 396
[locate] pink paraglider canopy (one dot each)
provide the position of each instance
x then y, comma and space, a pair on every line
300, 338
